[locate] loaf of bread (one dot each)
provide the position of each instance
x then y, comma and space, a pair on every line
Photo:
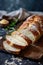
28, 33
32, 29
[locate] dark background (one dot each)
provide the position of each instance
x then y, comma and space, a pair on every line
10, 5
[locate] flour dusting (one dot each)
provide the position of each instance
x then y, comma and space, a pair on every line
7, 62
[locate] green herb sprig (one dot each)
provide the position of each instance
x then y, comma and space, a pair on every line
10, 28
11, 25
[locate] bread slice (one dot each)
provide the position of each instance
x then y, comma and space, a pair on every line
10, 49
17, 41
29, 34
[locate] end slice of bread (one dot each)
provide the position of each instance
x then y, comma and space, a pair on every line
10, 49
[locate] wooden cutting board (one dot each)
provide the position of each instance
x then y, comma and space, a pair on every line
34, 51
